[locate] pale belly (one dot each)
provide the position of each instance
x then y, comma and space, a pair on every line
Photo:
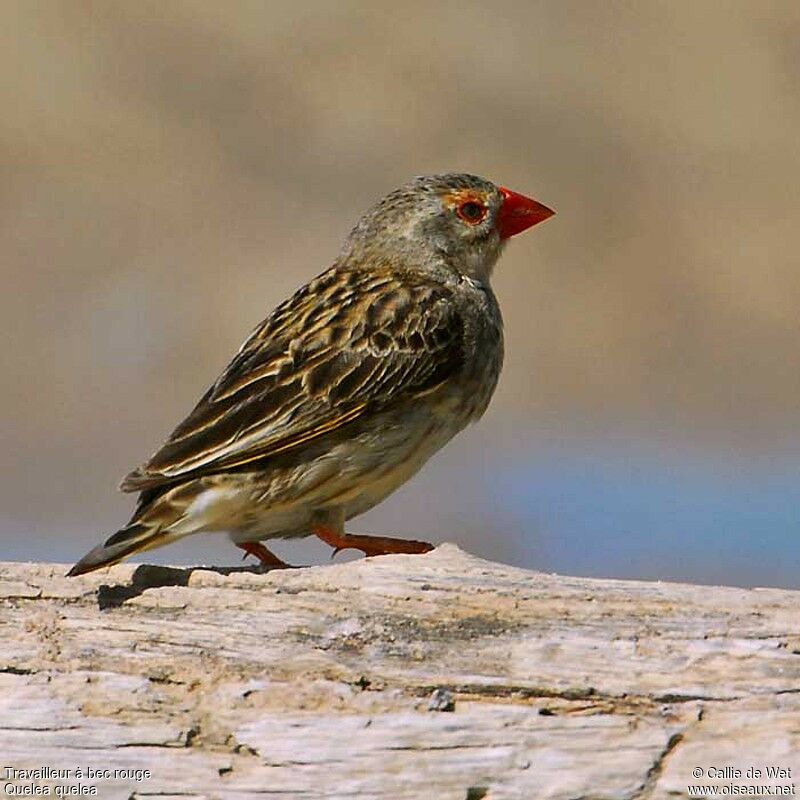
351, 476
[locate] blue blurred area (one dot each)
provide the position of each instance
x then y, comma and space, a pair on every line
644, 514
620, 509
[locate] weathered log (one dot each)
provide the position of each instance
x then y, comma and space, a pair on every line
318, 682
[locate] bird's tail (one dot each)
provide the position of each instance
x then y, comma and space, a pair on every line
133, 538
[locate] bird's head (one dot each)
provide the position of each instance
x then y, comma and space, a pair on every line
460, 221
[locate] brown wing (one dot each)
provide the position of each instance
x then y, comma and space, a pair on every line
344, 344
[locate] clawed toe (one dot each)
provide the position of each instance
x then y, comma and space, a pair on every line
370, 545
266, 557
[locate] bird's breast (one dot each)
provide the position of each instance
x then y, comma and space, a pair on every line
482, 352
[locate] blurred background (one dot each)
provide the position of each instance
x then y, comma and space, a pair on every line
172, 170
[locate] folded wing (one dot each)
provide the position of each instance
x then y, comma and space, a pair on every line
344, 345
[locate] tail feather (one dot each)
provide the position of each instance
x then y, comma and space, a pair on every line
133, 538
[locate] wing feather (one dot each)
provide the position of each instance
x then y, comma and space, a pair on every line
342, 346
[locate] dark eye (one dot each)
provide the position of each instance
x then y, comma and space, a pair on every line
471, 212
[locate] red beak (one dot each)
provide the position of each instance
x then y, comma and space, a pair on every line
518, 213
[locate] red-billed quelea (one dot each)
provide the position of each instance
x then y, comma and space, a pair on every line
347, 388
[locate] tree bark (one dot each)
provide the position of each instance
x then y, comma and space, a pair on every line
438, 676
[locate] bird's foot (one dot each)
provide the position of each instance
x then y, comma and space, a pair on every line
369, 545
266, 557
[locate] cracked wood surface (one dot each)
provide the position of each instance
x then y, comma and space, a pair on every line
314, 683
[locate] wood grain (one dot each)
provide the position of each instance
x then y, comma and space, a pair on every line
316, 682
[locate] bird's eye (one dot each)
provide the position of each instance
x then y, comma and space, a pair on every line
471, 212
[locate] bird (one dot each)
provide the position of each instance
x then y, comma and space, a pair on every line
347, 388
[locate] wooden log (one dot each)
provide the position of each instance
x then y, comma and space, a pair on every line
438, 676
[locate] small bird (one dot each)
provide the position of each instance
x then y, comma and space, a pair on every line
347, 388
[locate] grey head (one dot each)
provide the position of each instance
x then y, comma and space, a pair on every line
457, 222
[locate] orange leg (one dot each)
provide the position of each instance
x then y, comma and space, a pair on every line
369, 545
266, 557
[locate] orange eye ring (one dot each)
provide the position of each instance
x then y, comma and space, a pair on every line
471, 212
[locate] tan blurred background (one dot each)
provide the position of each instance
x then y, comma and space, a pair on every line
171, 171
